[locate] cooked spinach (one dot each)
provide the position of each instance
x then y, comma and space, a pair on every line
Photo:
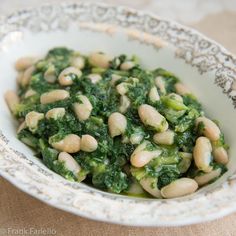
97, 88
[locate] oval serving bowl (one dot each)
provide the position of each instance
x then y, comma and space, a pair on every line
206, 67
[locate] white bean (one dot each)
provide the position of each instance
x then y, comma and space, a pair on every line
99, 59
165, 138
78, 62
186, 159
124, 139
220, 155
176, 97
94, 78
150, 185
26, 77
210, 129
24, 62
69, 162
21, 127
160, 83
117, 124
122, 88
202, 154
56, 113
54, 96
141, 147
141, 158
12, 99
206, 178
65, 78
186, 155
153, 95
124, 104
151, 117
88, 143
32, 119
135, 188
50, 75
19, 76
114, 78
70, 144
179, 188
30, 93
181, 89
127, 65
83, 108
136, 138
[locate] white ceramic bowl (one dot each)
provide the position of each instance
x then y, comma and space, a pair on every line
206, 67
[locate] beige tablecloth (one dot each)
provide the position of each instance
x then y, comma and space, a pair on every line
21, 214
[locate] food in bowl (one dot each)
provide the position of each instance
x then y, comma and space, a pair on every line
112, 124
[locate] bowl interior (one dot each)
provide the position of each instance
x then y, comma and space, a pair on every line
116, 41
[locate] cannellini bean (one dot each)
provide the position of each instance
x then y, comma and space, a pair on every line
30, 93
141, 147
114, 78
122, 88
136, 138
135, 188
24, 62
56, 113
206, 178
26, 77
69, 162
160, 83
176, 97
210, 129
124, 104
83, 108
186, 155
220, 155
19, 76
50, 74
32, 119
153, 95
186, 159
54, 96
202, 154
125, 139
65, 77
166, 138
99, 59
21, 127
141, 158
150, 185
88, 143
181, 89
151, 117
179, 187
95, 78
70, 144
117, 124
127, 65
12, 99
78, 62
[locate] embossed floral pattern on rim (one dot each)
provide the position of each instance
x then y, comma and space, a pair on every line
194, 49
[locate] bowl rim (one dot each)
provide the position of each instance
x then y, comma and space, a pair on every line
18, 162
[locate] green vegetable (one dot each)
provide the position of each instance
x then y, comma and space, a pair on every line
108, 166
